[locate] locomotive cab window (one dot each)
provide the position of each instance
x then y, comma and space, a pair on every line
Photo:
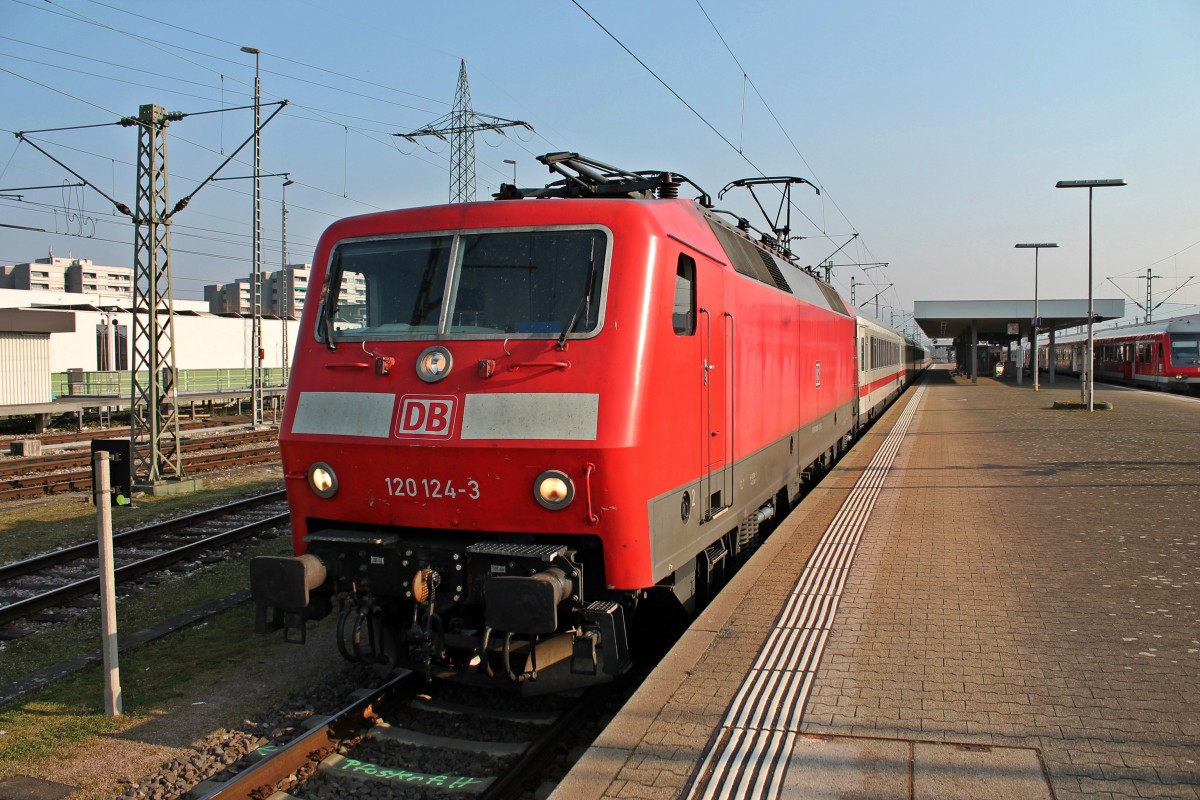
1185, 349
387, 287
506, 284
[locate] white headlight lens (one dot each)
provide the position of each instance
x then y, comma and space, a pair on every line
553, 490
322, 479
434, 363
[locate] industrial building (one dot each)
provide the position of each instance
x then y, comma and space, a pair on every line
82, 343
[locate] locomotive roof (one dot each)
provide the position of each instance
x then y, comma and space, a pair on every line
584, 177
765, 259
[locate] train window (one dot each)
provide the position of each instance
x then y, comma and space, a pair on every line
683, 313
536, 283
392, 286
533, 282
1185, 349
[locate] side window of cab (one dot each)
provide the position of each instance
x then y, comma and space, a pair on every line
683, 312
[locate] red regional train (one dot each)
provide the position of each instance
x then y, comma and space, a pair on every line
513, 424
1159, 355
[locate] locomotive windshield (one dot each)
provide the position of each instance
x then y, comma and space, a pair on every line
531, 283
1185, 349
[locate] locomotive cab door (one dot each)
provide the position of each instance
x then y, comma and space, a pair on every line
716, 330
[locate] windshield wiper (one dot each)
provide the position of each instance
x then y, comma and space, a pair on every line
328, 304
585, 302
327, 328
562, 337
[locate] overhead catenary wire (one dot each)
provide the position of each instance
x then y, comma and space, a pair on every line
184, 232
205, 98
265, 52
709, 124
315, 114
173, 50
312, 114
1134, 272
224, 188
170, 49
825, 194
687, 105
667, 86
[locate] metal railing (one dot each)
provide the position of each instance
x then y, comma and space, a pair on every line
74, 383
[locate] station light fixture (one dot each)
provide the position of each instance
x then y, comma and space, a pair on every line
1037, 315
1088, 386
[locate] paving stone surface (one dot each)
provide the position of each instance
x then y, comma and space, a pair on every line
1028, 584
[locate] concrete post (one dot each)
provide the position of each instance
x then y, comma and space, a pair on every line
108, 587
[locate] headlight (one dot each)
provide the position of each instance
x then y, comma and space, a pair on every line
322, 479
434, 363
553, 490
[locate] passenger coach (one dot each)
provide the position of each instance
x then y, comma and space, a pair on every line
1160, 355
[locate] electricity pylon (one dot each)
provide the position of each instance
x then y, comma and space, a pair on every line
461, 125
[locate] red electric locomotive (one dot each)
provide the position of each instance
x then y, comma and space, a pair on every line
509, 423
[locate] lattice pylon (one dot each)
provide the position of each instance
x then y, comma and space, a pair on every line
461, 125
462, 143
154, 423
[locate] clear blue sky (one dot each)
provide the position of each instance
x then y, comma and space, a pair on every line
936, 130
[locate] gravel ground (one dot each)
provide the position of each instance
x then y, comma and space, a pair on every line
240, 708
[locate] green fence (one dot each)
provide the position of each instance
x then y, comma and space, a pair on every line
77, 382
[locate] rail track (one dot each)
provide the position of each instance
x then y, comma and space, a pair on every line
405, 740
64, 472
47, 581
121, 431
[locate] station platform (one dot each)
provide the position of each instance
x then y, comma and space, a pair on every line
986, 598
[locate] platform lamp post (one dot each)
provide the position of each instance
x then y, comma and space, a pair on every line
1089, 386
1037, 314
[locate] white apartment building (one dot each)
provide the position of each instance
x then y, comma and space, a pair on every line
283, 293
74, 275
228, 298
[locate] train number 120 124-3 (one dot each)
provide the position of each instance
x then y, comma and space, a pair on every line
432, 488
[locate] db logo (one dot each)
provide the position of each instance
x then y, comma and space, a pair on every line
426, 415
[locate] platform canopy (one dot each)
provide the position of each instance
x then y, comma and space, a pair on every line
1006, 320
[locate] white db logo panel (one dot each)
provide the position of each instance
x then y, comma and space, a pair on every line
426, 415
